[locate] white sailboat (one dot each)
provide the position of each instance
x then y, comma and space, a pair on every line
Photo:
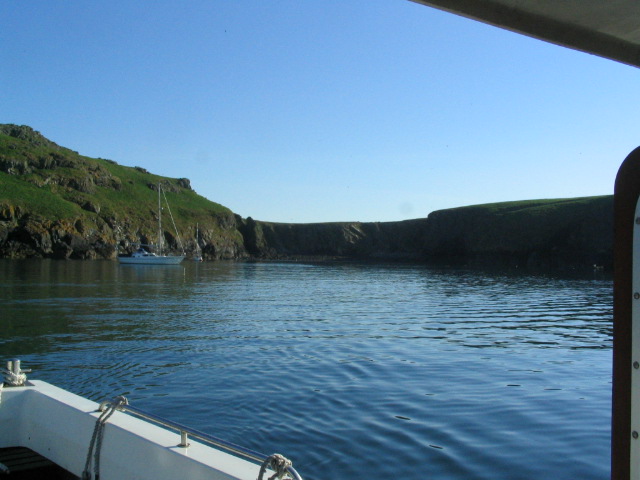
146, 257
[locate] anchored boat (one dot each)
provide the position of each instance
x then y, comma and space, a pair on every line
143, 256
47, 429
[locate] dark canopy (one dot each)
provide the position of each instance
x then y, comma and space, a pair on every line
608, 28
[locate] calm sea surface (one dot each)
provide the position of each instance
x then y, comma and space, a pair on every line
353, 371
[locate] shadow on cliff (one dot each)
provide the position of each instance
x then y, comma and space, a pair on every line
537, 234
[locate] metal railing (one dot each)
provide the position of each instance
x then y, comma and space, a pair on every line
188, 432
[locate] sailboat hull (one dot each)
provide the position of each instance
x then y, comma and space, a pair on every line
152, 260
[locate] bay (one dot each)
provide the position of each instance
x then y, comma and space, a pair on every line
351, 370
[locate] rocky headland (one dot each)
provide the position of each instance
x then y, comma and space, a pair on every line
544, 234
56, 203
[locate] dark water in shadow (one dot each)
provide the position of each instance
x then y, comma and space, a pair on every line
353, 371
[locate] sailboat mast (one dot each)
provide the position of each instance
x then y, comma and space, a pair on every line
159, 222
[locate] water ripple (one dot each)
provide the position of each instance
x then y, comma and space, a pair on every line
354, 371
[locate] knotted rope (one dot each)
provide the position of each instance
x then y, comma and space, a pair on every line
278, 464
96, 438
14, 379
14, 376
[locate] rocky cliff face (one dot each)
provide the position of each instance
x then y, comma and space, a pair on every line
562, 234
24, 235
567, 237
388, 240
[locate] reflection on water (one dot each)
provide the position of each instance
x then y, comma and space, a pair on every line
355, 371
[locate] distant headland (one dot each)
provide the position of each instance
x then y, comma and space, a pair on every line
56, 203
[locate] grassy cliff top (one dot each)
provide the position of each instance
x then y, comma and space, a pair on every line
542, 207
44, 179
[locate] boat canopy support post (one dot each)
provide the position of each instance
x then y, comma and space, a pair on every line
625, 428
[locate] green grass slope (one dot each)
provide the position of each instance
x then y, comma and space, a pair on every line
44, 181
55, 182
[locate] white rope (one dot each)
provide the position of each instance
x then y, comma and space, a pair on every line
96, 439
278, 463
15, 379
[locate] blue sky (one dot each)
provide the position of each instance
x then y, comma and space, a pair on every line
314, 111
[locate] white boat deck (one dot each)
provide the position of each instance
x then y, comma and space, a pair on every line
59, 425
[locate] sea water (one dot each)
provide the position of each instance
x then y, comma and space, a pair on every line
352, 371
